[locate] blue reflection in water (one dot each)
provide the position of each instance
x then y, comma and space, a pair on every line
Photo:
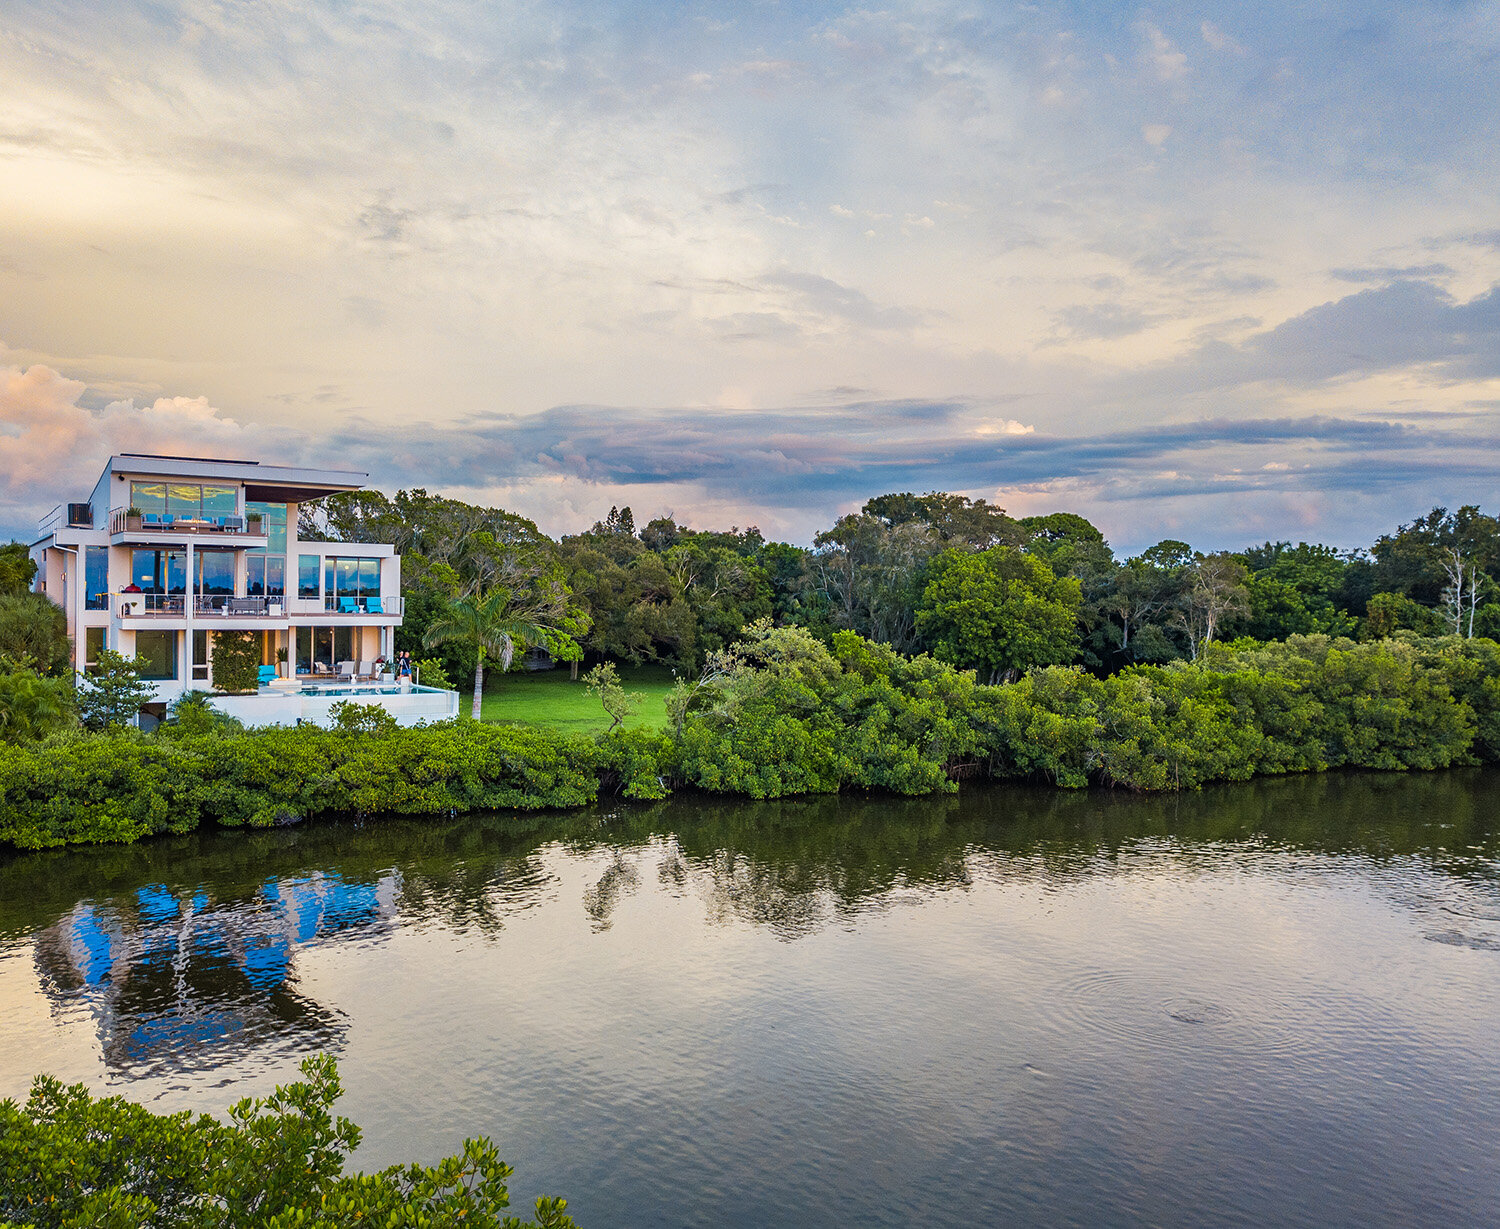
171, 975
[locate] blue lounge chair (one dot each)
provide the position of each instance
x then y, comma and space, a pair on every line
347, 605
267, 675
372, 606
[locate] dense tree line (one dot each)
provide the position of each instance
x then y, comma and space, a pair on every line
940, 573
937, 573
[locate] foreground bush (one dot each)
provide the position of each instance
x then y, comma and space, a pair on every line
70, 1159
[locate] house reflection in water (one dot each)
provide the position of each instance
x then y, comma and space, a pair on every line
185, 980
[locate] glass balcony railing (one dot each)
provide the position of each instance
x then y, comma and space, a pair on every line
209, 606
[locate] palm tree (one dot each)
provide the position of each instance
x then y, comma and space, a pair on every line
489, 624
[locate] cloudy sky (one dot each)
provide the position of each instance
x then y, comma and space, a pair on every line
1222, 272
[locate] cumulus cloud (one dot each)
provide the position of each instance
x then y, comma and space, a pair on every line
52, 447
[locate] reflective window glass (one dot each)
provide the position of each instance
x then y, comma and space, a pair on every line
149, 496
215, 572
159, 648
184, 499
96, 577
219, 501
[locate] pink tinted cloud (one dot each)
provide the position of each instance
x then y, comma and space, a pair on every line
52, 448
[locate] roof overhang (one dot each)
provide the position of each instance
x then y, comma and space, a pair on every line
263, 483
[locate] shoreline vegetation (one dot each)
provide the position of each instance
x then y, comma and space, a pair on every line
921, 642
781, 713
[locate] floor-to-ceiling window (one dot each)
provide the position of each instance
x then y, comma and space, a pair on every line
349, 579
265, 567
159, 651
190, 500
96, 577
162, 576
213, 577
321, 649
307, 576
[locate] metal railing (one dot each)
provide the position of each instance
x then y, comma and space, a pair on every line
120, 521
383, 605
272, 607
152, 605
223, 605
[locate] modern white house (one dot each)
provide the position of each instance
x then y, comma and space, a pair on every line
168, 552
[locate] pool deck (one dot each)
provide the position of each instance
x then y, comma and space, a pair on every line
313, 705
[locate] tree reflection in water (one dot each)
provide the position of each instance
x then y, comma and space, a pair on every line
184, 946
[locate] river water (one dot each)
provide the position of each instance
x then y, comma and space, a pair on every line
1269, 1003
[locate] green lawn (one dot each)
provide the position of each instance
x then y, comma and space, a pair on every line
547, 697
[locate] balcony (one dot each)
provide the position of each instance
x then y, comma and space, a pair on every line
224, 606
208, 607
156, 527
151, 605
391, 607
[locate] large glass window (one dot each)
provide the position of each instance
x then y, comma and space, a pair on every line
307, 576
200, 656
214, 573
159, 648
93, 645
219, 501
149, 497
265, 575
184, 499
350, 578
272, 523
159, 571
96, 577
321, 649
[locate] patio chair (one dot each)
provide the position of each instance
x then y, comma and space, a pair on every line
347, 605
267, 675
372, 606
346, 671
153, 520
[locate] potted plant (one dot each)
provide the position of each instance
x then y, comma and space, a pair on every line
132, 518
281, 661
382, 668
253, 522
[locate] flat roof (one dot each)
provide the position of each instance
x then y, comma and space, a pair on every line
269, 483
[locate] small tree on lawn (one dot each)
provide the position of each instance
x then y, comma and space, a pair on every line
489, 625
604, 682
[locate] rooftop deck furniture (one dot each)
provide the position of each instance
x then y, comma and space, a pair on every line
372, 606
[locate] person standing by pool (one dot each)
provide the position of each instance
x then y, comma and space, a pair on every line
403, 669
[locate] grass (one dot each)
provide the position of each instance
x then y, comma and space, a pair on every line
548, 698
